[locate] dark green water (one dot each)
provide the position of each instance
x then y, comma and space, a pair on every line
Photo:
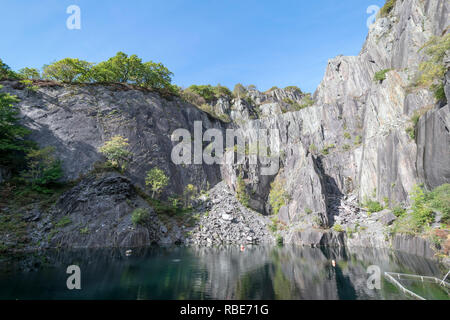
259, 272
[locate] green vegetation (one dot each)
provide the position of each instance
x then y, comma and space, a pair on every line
68, 70
205, 95
431, 72
272, 89
37, 167
278, 196
312, 148
29, 85
29, 73
346, 147
347, 135
308, 101
288, 101
63, 222
119, 69
115, 151
12, 134
425, 204
210, 110
20, 198
338, 228
43, 169
139, 216
209, 93
293, 89
411, 132
279, 240
241, 192
387, 8
239, 91
273, 227
380, 76
439, 200
326, 149
190, 191
308, 211
157, 180
373, 206
358, 140
6, 72
398, 211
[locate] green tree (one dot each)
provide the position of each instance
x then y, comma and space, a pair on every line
6, 72
241, 192
157, 180
278, 197
222, 91
422, 213
205, 91
115, 150
189, 193
68, 70
29, 73
43, 168
120, 68
431, 72
239, 91
139, 216
156, 75
12, 142
130, 69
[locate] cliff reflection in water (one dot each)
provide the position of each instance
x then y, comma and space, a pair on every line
260, 272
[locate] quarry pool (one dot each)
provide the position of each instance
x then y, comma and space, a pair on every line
258, 272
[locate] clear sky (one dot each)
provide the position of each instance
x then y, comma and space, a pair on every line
260, 42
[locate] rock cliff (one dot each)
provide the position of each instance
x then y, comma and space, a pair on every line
347, 142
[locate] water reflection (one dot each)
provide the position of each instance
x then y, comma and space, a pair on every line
260, 272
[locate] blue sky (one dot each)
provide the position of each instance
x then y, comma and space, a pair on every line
260, 42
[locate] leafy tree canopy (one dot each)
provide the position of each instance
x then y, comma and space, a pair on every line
157, 180
6, 72
29, 73
116, 151
119, 69
68, 70
11, 132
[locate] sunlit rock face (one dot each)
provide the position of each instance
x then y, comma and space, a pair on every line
354, 139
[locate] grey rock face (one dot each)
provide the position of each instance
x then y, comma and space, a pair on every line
78, 119
350, 145
97, 213
387, 217
358, 126
413, 245
315, 238
433, 144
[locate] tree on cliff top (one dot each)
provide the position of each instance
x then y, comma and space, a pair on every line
68, 70
6, 72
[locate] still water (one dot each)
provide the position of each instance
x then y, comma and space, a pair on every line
260, 272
